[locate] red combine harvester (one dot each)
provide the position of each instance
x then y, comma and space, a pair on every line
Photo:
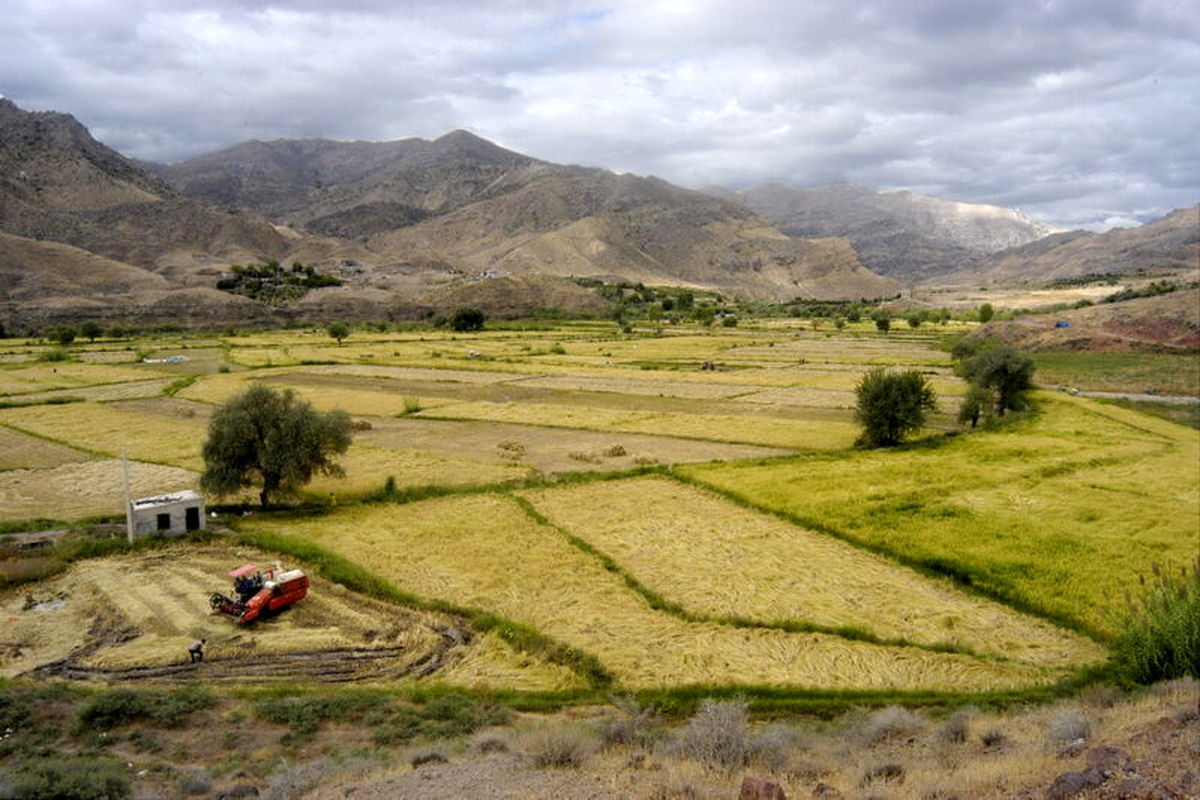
259, 591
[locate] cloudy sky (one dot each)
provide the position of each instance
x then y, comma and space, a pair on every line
1078, 112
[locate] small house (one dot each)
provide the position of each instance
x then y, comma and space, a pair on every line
167, 514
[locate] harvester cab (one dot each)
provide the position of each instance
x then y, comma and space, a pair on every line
259, 591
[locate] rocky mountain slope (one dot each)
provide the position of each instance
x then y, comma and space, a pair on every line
1170, 244
469, 205
903, 235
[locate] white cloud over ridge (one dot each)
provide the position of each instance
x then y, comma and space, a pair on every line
1079, 112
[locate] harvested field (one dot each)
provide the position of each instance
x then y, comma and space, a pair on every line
108, 430
686, 544
368, 467
22, 451
483, 551
103, 392
763, 430
549, 450
63, 375
132, 617
1061, 512
83, 488
659, 387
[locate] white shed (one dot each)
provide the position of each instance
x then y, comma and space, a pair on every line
164, 514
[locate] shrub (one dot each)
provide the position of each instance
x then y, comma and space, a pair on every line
1159, 635
412, 404
1068, 726
71, 779
629, 726
107, 710
956, 728
556, 744
716, 735
467, 319
195, 781
891, 723
55, 354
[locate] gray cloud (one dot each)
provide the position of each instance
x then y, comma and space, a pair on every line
1080, 112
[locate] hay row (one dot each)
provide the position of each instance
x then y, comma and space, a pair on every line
720, 559
483, 551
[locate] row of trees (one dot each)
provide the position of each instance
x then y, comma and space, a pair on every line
892, 405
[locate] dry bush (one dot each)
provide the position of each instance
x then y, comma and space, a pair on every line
195, 781
490, 742
957, 727
892, 722
1068, 726
630, 726
716, 736
557, 744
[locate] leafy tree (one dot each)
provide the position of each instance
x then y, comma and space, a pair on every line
891, 405
976, 403
467, 319
272, 438
914, 319
91, 330
338, 331
1003, 371
883, 321
63, 334
986, 312
853, 314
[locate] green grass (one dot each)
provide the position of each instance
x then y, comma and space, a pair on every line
1057, 514
1182, 413
1169, 373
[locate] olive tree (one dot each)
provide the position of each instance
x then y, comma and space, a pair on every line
891, 405
1003, 371
338, 331
273, 439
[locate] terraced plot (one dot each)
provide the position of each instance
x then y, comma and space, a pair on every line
1061, 513
367, 468
108, 430
132, 618
22, 451
549, 450
63, 375
762, 430
719, 559
83, 488
483, 551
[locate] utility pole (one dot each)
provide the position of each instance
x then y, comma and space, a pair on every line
128, 498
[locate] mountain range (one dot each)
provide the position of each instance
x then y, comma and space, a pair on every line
413, 227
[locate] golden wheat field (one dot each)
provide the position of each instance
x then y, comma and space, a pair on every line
83, 488
63, 375
121, 614
368, 468
106, 429
720, 559
762, 430
22, 451
484, 551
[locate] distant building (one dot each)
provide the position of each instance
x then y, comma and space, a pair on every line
168, 514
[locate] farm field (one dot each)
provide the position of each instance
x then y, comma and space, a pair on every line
761, 550
486, 552
1060, 513
99, 621
688, 545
